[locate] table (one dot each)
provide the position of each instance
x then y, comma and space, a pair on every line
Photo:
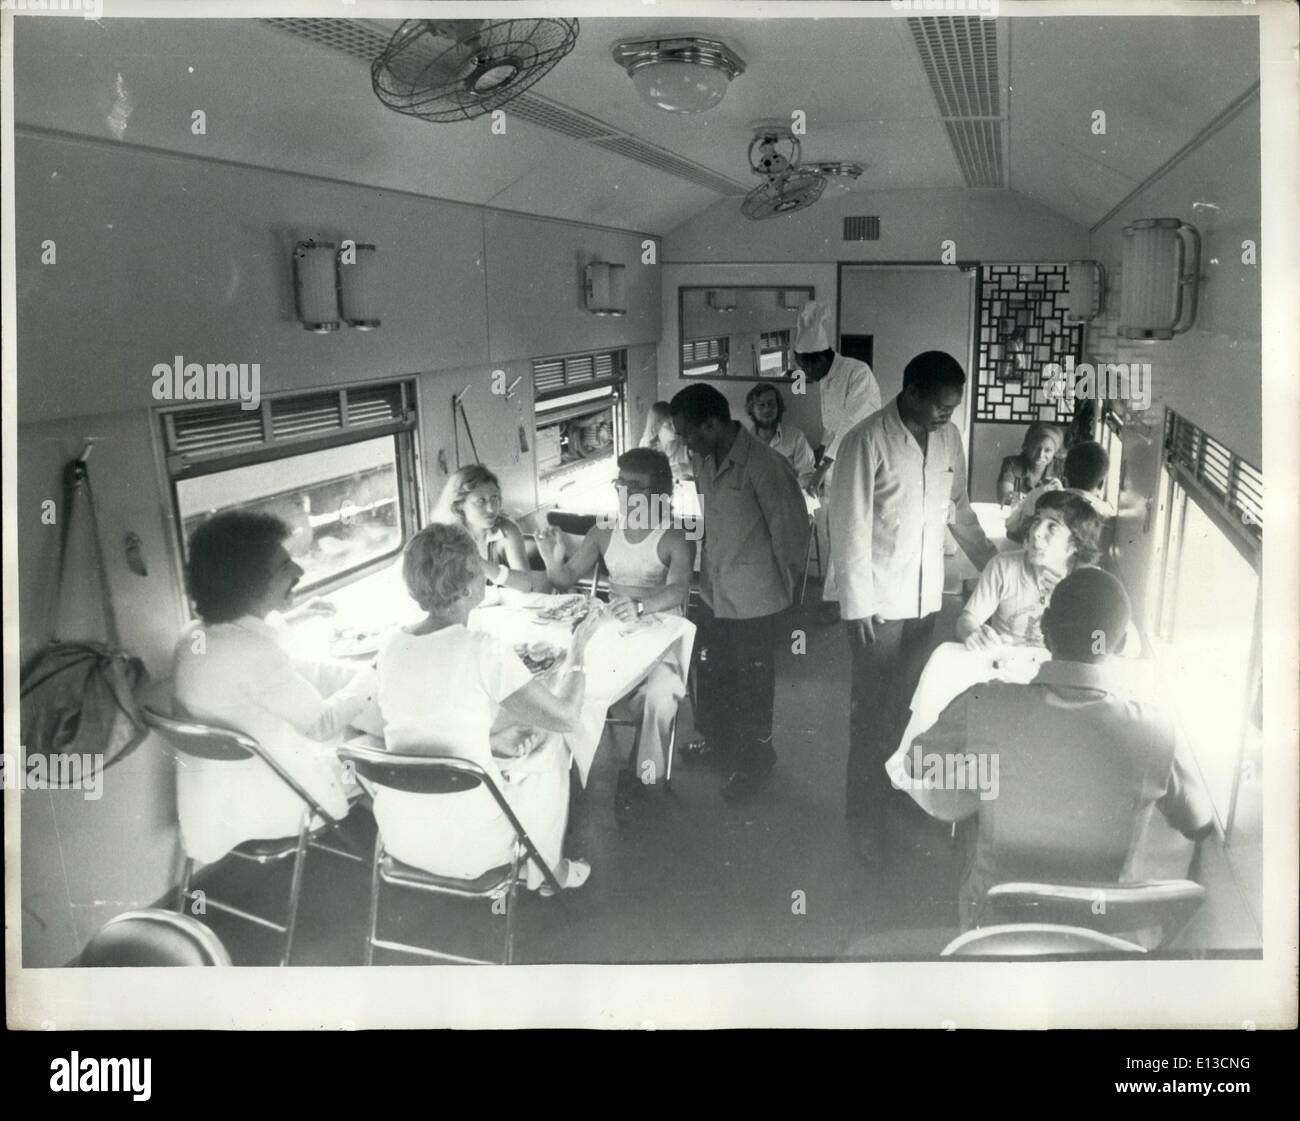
619, 657
957, 566
952, 669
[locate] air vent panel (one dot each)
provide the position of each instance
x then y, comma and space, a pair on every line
859, 227
960, 57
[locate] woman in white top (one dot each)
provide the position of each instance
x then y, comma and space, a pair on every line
442, 688
661, 436
471, 498
650, 562
231, 670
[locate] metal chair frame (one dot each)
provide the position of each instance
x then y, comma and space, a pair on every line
229, 745
1125, 907
968, 944
635, 725
814, 549
435, 774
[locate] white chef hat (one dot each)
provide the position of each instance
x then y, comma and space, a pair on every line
813, 331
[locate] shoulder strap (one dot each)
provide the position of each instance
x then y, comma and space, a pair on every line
75, 479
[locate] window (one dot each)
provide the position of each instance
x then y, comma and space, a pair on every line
337, 466
1207, 632
578, 423
702, 358
1112, 439
774, 354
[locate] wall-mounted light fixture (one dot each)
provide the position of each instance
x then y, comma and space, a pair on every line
1085, 291
720, 299
314, 286
357, 266
606, 288
1161, 267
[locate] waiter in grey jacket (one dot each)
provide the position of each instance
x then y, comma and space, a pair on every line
849, 394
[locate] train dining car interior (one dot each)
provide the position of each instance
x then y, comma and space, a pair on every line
639, 489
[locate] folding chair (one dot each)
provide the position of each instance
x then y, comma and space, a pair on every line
430, 774
153, 938
1111, 908
814, 550
1031, 940
209, 741
612, 720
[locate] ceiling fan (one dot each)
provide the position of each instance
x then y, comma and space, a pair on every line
774, 153
456, 70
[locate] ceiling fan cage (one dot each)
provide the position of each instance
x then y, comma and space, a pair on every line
783, 194
458, 70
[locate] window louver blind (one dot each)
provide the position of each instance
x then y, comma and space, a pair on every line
204, 434
1225, 479
701, 350
553, 375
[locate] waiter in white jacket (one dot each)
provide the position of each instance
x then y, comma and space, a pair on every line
849, 394
900, 482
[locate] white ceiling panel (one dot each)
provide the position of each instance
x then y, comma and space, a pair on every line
276, 100
1159, 82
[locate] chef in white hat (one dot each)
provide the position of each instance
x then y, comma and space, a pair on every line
849, 394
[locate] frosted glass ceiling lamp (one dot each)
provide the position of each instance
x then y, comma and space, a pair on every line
683, 75
1085, 291
1161, 266
314, 286
606, 288
357, 267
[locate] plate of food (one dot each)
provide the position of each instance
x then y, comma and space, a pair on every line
356, 642
565, 609
539, 656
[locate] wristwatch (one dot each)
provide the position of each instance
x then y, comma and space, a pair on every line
640, 609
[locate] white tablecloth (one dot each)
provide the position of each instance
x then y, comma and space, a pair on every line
619, 656
952, 669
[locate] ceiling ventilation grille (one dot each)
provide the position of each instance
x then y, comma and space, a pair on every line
960, 57
361, 41
861, 228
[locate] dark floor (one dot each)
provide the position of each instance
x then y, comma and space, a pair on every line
685, 877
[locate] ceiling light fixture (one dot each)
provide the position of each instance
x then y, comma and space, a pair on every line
681, 75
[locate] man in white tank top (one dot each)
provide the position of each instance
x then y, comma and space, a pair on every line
649, 561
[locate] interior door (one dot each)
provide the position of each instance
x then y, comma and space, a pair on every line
907, 309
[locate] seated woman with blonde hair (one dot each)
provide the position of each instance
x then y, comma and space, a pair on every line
471, 498
1032, 465
442, 687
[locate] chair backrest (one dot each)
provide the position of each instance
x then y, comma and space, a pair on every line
414, 774
1110, 908
437, 774
533, 553
153, 938
211, 741
1031, 940
205, 741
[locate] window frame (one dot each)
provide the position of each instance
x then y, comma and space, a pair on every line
695, 369
1180, 489
175, 468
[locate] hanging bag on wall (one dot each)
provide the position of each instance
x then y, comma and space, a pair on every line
79, 697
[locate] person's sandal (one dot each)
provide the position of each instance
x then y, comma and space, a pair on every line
575, 875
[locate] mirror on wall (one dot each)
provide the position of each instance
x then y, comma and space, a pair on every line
738, 333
